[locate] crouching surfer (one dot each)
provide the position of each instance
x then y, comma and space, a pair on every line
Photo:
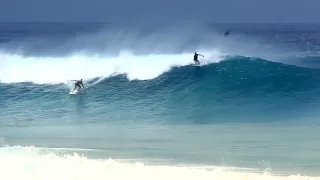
77, 84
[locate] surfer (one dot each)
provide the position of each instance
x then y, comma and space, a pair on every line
195, 58
77, 84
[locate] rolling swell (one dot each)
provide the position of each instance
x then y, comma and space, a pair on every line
237, 89
246, 77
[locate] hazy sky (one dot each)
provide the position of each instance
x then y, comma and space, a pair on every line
161, 10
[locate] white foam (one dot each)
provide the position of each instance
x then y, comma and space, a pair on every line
29, 164
52, 70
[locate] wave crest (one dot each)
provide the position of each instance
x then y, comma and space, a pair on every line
52, 70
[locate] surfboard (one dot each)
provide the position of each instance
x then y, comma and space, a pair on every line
73, 92
76, 91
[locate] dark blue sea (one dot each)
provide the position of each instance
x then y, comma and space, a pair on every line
250, 111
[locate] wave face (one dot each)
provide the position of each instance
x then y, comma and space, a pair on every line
254, 96
248, 87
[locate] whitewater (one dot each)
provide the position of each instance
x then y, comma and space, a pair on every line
31, 165
250, 111
16, 68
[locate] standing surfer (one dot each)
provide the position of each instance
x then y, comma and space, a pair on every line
195, 58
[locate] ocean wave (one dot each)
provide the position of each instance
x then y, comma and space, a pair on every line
217, 73
51, 70
246, 86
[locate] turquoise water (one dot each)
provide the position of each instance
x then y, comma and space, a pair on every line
282, 150
149, 114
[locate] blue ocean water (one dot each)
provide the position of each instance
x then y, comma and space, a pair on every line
250, 111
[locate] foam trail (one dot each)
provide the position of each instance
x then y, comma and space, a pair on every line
49, 70
30, 164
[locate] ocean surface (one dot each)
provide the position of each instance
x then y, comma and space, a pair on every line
249, 112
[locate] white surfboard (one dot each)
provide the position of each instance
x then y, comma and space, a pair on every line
76, 91
73, 92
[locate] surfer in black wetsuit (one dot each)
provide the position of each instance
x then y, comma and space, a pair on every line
195, 58
77, 84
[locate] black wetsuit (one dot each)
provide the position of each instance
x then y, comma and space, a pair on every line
195, 58
77, 84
